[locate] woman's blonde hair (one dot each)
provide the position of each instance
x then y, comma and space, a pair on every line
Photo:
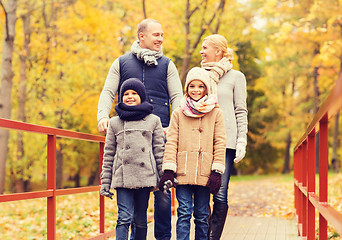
220, 42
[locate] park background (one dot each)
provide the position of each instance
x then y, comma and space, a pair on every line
56, 55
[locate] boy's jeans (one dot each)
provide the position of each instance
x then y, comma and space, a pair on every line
129, 201
192, 199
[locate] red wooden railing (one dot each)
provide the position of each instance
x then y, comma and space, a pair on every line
51, 193
306, 199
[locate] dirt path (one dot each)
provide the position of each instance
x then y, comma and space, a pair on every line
265, 197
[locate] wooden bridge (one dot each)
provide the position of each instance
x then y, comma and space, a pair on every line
248, 228
307, 202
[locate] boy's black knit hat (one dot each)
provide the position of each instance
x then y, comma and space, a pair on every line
133, 84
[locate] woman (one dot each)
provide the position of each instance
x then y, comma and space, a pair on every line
230, 87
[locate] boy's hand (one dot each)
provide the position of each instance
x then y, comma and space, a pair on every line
167, 176
168, 184
104, 191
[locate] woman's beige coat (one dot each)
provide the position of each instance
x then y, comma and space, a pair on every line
195, 146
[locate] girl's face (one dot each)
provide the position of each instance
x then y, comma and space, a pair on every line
196, 89
210, 53
131, 98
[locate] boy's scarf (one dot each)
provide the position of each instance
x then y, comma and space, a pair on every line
217, 69
198, 108
133, 113
149, 57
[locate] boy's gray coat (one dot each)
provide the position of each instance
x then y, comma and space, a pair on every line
133, 153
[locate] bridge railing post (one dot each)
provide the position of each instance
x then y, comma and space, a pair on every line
311, 185
51, 185
102, 199
323, 173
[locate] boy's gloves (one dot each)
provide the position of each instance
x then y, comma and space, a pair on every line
104, 191
167, 176
214, 182
168, 184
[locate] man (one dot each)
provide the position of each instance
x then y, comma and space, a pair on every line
160, 77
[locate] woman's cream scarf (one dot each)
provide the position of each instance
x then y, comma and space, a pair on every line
217, 69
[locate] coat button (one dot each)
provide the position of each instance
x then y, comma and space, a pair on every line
142, 164
144, 133
143, 149
200, 129
127, 147
125, 162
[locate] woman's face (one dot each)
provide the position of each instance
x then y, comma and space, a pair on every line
210, 53
196, 89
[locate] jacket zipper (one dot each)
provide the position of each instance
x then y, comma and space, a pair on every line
143, 77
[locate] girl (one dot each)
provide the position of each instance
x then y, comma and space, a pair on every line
132, 158
194, 153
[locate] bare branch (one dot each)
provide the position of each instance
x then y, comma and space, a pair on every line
197, 8
144, 8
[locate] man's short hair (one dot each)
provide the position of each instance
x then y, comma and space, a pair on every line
142, 26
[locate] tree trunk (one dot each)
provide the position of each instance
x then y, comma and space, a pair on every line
22, 98
6, 83
59, 167
286, 168
316, 100
93, 179
77, 179
335, 160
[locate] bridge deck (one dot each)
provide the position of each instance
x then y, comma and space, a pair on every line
248, 228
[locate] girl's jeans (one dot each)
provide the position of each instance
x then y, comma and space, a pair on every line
222, 195
192, 199
129, 200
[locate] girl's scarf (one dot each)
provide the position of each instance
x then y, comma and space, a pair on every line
149, 57
197, 109
133, 113
217, 69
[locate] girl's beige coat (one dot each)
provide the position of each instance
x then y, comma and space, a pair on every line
195, 146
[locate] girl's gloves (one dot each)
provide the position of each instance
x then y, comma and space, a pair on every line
104, 191
214, 182
167, 181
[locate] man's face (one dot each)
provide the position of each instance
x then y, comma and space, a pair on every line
153, 37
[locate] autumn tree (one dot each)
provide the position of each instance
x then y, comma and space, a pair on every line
6, 81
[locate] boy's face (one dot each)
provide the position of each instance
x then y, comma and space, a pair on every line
131, 98
196, 89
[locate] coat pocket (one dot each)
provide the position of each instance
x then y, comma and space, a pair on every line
206, 160
182, 162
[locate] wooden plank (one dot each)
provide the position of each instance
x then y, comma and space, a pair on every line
246, 228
